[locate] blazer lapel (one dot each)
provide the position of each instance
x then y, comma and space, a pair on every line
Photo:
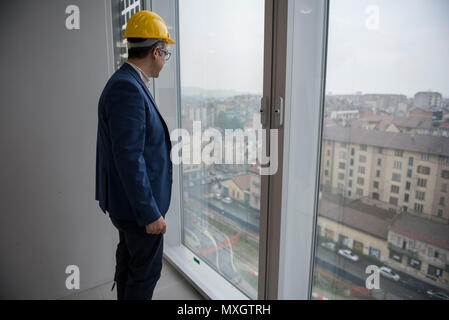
133, 72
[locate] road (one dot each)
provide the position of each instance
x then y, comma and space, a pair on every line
357, 270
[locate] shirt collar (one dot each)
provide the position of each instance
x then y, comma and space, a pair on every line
142, 74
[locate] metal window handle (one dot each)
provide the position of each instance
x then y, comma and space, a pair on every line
280, 111
263, 116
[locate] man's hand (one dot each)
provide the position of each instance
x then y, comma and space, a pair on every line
157, 227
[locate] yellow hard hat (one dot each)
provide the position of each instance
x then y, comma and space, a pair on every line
149, 25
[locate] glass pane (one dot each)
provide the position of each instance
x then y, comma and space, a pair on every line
382, 230
221, 58
122, 11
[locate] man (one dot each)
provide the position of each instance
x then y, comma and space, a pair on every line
134, 171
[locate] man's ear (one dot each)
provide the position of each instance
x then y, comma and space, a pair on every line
155, 52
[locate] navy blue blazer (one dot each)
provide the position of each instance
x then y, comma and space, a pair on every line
133, 165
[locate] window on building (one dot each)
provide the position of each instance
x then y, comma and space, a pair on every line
423, 170
414, 263
377, 173
442, 201
376, 184
398, 153
397, 164
351, 172
410, 161
425, 157
396, 177
362, 159
420, 195
406, 197
446, 161
342, 155
359, 192
422, 182
363, 147
394, 189
341, 176
434, 271
419, 207
375, 196
394, 201
443, 187
407, 186
445, 174
409, 173
360, 181
342, 165
362, 170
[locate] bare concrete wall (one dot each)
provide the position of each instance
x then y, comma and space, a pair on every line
51, 79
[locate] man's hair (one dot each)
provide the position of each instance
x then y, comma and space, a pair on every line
140, 53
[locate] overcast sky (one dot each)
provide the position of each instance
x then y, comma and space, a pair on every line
408, 51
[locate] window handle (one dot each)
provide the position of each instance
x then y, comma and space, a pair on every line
263, 112
280, 111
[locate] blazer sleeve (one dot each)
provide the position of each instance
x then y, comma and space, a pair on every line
127, 125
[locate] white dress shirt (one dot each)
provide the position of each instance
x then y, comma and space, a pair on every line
142, 75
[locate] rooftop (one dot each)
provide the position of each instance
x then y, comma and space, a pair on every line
400, 141
356, 216
422, 229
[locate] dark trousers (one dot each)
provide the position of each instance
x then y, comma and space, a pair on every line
138, 261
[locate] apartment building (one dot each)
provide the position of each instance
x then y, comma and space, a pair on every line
420, 246
396, 171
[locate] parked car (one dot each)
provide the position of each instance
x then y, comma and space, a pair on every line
348, 254
414, 284
388, 273
328, 245
227, 200
438, 295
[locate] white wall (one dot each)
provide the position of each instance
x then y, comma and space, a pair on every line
51, 79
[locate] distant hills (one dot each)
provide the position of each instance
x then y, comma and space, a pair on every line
199, 92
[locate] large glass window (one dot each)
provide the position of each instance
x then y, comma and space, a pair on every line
122, 11
221, 65
382, 58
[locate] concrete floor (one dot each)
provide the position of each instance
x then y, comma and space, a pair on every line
171, 286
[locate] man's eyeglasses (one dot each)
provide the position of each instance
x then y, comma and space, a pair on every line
167, 53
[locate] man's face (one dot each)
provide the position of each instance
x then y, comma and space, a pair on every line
160, 58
